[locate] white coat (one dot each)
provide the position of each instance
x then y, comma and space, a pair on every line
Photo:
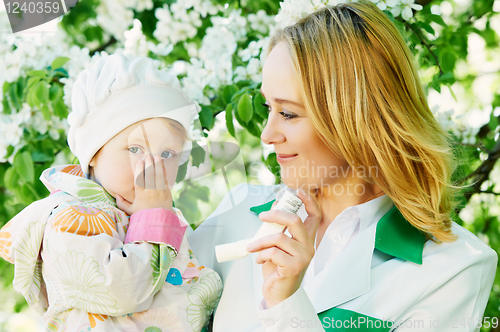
388, 278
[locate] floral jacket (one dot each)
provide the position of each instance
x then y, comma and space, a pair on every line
78, 267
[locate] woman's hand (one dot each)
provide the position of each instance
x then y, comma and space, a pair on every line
151, 187
285, 260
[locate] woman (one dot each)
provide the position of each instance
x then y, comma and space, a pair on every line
377, 250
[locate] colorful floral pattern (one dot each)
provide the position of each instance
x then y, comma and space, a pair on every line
27, 268
83, 220
4, 245
203, 298
91, 192
94, 317
156, 320
74, 170
83, 283
79, 222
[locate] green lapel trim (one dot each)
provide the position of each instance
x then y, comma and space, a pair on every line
394, 236
397, 237
336, 319
261, 208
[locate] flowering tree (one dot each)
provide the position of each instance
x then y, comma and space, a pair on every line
216, 48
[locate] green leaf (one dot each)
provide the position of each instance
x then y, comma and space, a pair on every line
11, 178
448, 59
437, 19
181, 172
23, 164
29, 193
36, 73
5, 87
55, 92
258, 106
206, 116
45, 112
60, 109
229, 120
273, 166
228, 92
198, 154
39, 156
427, 28
245, 108
59, 62
253, 129
32, 81
496, 101
42, 93
202, 193
446, 78
6, 106
14, 96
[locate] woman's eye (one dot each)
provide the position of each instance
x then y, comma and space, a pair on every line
134, 149
167, 154
288, 116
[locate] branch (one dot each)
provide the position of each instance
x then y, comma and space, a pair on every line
426, 45
101, 48
423, 2
477, 146
488, 192
482, 173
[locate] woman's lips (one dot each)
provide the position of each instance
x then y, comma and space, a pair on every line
283, 158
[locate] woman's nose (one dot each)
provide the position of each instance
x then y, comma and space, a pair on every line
271, 133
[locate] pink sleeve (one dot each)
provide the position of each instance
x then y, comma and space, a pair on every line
156, 225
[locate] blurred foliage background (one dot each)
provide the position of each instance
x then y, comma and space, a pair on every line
216, 49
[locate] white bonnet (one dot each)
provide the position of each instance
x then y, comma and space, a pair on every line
117, 92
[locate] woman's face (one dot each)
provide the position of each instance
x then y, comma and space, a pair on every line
306, 162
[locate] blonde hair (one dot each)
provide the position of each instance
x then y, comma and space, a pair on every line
361, 88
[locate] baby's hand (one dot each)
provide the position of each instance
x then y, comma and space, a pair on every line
151, 187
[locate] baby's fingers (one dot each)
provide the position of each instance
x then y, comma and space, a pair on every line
149, 173
159, 173
139, 174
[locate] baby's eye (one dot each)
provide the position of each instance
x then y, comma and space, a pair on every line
134, 149
167, 154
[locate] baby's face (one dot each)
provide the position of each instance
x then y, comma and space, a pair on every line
115, 163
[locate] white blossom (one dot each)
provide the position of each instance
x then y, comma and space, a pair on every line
252, 50
260, 21
161, 49
135, 42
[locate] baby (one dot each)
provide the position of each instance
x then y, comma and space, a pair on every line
107, 251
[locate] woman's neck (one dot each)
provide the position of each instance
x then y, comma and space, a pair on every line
333, 204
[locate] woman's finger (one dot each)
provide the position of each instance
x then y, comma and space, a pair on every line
280, 240
314, 213
295, 226
274, 255
149, 173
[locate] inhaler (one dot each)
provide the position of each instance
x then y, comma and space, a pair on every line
227, 252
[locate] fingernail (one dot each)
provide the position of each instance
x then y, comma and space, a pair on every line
250, 247
157, 158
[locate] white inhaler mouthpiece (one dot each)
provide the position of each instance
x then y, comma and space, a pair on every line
235, 250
